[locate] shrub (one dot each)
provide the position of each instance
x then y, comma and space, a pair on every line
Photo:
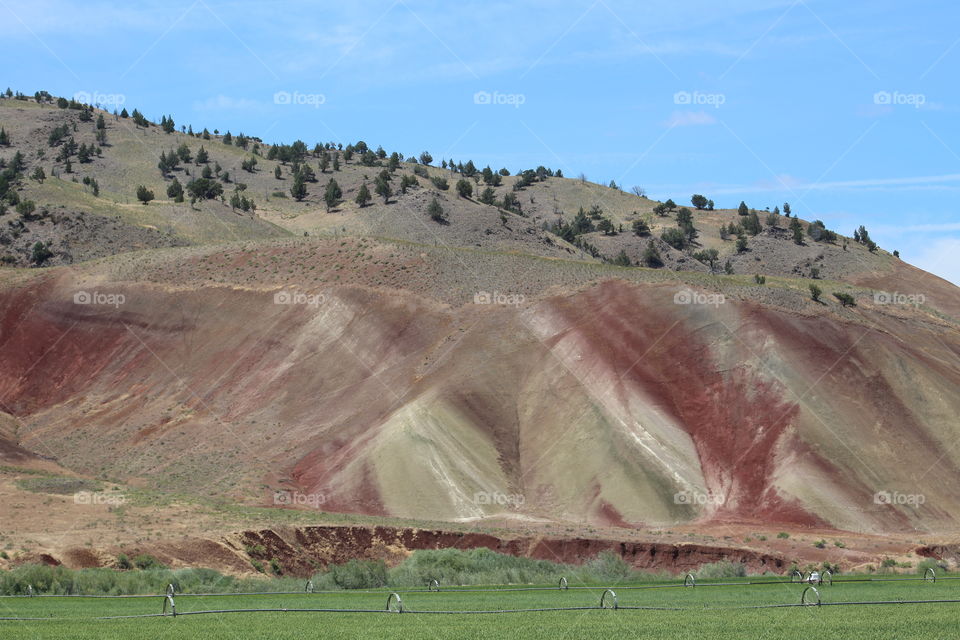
146, 561
360, 574
675, 238
276, 567
722, 569
929, 563
845, 299
783, 535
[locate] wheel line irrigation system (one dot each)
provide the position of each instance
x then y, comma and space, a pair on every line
809, 597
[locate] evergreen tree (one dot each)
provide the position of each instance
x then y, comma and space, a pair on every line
464, 188
741, 243
202, 156
39, 175
676, 238
435, 210
183, 152
144, 195
40, 253
406, 182
709, 256
363, 196
797, 230
488, 196
204, 189
299, 187
4, 138
752, 224
742, 209
382, 188
845, 299
698, 201
651, 256
641, 228
815, 292
426, 158
175, 191
332, 194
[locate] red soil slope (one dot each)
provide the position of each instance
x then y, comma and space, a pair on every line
612, 406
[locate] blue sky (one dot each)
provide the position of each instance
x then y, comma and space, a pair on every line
846, 110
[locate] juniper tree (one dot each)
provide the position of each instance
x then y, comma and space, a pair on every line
332, 194
363, 196
175, 191
299, 187
382, 188
144, 195
651, 256
435, 211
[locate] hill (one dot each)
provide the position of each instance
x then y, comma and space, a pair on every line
503, 368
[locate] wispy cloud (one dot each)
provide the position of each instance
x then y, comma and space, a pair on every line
689, 119
222, 102
940, 256
947, 182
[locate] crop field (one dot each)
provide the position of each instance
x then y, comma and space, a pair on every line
852, 607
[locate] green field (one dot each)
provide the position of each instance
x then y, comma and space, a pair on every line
704, 612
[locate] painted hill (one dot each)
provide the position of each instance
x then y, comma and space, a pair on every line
494, 370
